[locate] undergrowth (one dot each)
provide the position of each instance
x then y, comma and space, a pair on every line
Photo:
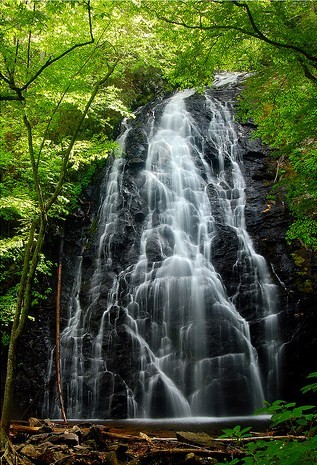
295, 441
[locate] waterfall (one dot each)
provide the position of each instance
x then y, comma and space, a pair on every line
164, 335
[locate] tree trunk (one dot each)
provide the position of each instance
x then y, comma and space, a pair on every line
5, 417
31, 256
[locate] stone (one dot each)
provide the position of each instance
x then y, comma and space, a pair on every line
200, 439
68, 438
35, 422
77, 431
30, 451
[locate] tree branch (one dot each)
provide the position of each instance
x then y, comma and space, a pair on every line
15, 57
4, 78
10, 80
307, 71
90, 21
33, 163
51, 60
256, 33
266, 39
72, 78
57, 323
20, 98
205, 28
74, 137
27, 294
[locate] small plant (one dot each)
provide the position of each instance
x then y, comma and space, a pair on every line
237, 432
294, 419
310, 387
298, 446
5, 339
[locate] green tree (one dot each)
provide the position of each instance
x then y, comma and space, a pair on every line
18, 79
276, 43
63, 67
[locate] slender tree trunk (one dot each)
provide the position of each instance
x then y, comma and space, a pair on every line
31, 256
58, 314
5, 417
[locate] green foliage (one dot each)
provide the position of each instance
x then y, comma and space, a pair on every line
278, 452
310, 387
7, 306
52, 54
275, 42
5, 339
305, 230
10, 248
285, 112
237, 432
295, 419
10, 265
282, 452
299, 421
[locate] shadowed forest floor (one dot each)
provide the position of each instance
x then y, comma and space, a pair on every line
45, 442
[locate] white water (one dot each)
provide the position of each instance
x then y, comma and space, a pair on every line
195, 355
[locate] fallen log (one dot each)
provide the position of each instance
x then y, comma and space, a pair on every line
123, 436
199, 439
262, 438
203, 439
24, 429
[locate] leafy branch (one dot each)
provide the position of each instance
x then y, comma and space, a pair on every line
67, 153
51, 60
254, 31
260, 35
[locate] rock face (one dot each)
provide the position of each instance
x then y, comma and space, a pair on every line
112, 340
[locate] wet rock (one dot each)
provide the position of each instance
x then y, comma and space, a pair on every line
266, 221
120, 452
35, 422
193, 459
68, 438
30, 451
200, 439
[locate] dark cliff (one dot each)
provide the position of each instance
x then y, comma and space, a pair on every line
266, 221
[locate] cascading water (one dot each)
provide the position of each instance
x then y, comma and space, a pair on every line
163, 336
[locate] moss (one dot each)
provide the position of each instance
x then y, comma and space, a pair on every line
93, 227
305, 286
305, 276
298, 259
